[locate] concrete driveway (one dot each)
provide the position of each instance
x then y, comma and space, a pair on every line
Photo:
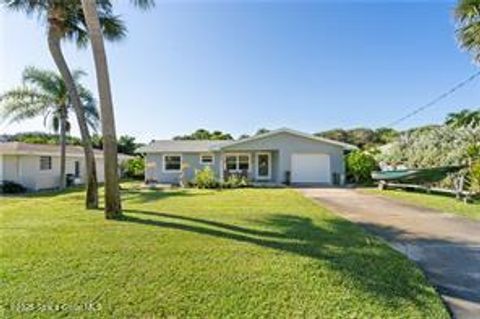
446, 247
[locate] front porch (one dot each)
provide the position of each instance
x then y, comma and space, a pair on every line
257, 166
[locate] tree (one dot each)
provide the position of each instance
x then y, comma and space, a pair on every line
93, 21
467, 14
463, 118
203, 134
127, 145
65, 20
44, 93
262, 131
360, 165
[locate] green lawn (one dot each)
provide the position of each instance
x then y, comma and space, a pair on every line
245, 253
438, 202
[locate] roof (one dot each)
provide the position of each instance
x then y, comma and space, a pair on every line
19, 148
296, 133
182, 146
196, 146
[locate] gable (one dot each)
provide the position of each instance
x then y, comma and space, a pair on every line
286, 140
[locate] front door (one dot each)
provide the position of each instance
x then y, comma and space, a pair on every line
264, 164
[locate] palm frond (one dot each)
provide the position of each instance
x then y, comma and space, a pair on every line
49, 82
467, 15
23, 103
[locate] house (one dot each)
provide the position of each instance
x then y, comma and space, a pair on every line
37, 166
279, 156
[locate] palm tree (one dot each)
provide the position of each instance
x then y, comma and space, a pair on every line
45, 93
65, 20
464, 118
92, 13
467, 14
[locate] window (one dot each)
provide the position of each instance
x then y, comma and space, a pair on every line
231, 163
77, 169
206, 159
45, 163
243, 162
172, 163
237, 162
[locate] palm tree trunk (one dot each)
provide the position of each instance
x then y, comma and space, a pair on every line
112, 193
63, 145
57, 55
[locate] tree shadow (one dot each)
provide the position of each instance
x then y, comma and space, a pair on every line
144, 196
337, 243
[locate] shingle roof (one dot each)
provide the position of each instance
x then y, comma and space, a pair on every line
182, 146
18, 148
206, 145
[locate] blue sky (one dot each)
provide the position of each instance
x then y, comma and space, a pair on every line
238, 66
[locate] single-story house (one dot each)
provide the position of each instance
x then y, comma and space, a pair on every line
279, 156
37, 166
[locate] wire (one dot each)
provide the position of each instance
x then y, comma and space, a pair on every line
436, 100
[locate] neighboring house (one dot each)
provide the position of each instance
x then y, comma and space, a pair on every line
37, 166
274, 157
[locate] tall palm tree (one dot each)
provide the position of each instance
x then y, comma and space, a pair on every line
93, 18
65, 21
464, 118
44, 93
467, 14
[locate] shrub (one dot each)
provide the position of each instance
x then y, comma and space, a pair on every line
360, 166
236, 181
475, 177
134, 168
205, 178
8, 187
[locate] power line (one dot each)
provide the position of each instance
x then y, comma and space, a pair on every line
436, 100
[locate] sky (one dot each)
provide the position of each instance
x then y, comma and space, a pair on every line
238, 66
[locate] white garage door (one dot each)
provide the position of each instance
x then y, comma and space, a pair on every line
310, 168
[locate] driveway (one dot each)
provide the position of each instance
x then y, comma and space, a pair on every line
447, 247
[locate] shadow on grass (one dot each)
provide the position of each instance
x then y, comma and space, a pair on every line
145, 196
342, 246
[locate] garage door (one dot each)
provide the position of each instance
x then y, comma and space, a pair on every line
310, 168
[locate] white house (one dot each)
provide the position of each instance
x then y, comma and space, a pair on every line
37, 166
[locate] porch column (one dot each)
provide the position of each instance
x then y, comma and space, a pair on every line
220, 166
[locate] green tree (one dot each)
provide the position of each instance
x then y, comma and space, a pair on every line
360, 165
127, 144
44, 93
203, 134
93, 18
467, 14
463, 118
262, 131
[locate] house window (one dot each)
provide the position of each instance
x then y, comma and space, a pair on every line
237, 162
45, 163
206, 159
172, 163
77, 169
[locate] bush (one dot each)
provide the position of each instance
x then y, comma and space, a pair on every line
134, 168
475, 177
205, 178
360, 166
236, 181
8, 187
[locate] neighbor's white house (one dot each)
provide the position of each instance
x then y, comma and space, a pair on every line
37, 166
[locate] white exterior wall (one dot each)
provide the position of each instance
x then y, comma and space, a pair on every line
25, 170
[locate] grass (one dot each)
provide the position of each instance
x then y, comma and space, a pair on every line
434, 201
246, 253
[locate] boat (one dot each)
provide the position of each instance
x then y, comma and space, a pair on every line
416, 175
